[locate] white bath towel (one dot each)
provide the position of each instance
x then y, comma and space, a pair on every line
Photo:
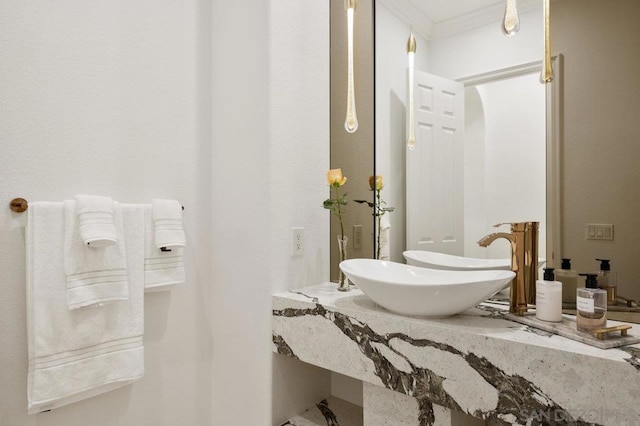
167, 220
77, 354
162, 269
385, 230
97, 222
94, 275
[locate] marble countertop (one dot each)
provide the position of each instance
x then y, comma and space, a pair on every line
476, 362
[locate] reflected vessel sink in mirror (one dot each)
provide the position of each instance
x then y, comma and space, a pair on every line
412, 290
449, 262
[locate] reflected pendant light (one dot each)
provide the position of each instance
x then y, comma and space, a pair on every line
546, 76
511, 21
351, 121
411, 52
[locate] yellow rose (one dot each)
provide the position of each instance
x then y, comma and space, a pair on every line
335, 178
375, 182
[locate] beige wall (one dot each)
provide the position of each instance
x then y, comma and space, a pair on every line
600, 41
353, 152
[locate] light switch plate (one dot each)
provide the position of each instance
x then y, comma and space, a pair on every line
357, 237
599, 231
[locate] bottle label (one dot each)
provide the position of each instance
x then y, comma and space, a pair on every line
585, 304
542, 297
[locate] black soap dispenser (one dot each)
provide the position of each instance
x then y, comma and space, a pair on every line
591, 305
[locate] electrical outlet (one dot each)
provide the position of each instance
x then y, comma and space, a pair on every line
357, 237
298, 241
599, 231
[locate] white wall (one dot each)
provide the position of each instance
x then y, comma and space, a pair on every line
166, 99
270, 154
299, 154
241, 216
110, 98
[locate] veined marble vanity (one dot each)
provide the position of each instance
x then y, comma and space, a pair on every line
417, 370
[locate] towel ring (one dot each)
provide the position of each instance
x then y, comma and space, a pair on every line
19, 205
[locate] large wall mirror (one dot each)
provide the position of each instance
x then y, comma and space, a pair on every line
500, 170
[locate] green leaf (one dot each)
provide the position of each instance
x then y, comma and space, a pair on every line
369, 203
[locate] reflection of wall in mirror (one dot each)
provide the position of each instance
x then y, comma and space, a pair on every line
599, 41
504, 168
352, 152
391, 74
471, 52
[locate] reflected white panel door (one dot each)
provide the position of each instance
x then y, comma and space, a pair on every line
435, 209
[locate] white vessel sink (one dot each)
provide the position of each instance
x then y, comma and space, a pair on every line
412, 290
449, 262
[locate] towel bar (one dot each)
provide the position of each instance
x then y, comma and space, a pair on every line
20, 205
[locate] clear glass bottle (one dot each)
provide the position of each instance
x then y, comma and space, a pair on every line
607, 281
591, 305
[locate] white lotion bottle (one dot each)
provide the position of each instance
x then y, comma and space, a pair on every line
549, 298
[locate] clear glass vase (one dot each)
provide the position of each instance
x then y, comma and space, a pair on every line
343, 282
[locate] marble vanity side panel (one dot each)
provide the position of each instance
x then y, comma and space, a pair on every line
331, 411
305, 329
384, 407
316, 340
473, 363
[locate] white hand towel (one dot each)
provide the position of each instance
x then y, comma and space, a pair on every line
385, 230
162, 269
94, 276
167, 219
77, 354
97, 223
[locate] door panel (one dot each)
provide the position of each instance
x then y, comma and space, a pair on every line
435, 167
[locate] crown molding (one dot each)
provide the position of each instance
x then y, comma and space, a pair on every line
409, 14
427, 29
478, 18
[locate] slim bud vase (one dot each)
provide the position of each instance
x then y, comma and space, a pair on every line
343, 282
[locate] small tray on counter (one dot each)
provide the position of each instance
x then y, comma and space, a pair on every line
567, 328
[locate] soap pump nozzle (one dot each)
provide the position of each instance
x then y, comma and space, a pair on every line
604, 264
566, 263
591, 281
549, 275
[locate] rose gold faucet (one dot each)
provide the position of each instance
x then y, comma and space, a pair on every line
524, 262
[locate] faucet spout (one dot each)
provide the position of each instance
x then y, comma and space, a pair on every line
488, 239
524, 261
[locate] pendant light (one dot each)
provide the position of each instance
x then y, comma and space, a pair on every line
351, 121
511, 21
546, 76
411, 51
